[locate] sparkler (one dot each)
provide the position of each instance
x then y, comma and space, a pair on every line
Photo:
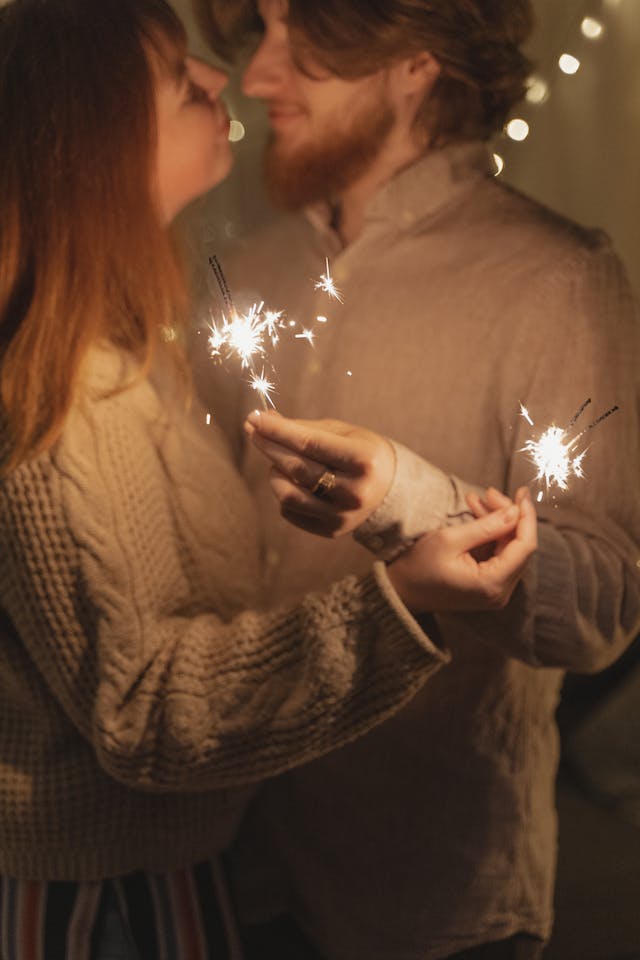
245, 335
326, 283
555, 454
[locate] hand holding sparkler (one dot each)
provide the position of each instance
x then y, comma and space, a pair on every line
474, 566
328, 476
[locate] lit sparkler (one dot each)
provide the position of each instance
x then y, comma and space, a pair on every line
327, 284
245, 335
555, 453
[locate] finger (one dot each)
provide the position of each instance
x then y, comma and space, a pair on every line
497, 500
494, 526
248, 426
298, 468
298, 500
527, 528
506, 566
328, 449
476, 505
304, 511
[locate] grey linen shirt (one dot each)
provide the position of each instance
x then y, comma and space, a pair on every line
462, 299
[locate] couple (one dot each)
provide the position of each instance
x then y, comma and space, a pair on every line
147, 690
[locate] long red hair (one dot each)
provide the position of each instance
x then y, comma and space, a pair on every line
84, 256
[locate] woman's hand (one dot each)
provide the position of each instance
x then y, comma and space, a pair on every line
328, 476
471, 566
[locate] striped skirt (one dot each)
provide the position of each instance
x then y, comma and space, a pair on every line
183, 915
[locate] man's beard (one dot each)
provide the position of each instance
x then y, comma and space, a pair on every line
324, 168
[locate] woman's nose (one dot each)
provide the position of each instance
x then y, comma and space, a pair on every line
208, 78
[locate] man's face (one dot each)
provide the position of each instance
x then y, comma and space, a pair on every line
326, 132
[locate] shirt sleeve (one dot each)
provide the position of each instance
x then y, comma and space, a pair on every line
172, 698
578, 604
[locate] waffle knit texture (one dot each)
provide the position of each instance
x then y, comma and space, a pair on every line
137, 701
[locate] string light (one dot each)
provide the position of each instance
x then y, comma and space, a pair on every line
587, 25
568, 63
517, 129
236, 131
537, 90
591, 28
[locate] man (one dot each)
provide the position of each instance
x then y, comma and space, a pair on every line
435, 836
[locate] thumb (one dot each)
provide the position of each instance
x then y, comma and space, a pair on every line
476, 533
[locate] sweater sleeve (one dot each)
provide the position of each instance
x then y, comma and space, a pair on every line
169, 697
578, 605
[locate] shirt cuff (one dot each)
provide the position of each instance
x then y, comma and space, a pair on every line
421, 498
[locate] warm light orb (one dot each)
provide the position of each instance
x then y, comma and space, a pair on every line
517, 129
236, 131
569, 64
537, 90
591, 28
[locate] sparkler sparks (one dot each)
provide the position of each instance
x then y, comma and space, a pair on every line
554, 454
306, 335
327, 284
247, 336
262, 385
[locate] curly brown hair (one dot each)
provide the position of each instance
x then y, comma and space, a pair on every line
477, 44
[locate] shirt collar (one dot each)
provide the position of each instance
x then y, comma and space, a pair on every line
419, 190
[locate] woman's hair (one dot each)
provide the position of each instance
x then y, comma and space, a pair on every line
84, 256
477, 44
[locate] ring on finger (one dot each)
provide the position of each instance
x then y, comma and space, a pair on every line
324, 485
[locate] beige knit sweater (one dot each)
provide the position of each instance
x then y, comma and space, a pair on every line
135, 698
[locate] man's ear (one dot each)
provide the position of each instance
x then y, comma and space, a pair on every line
423, 70
417, 74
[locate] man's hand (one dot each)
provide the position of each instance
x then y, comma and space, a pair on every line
356, 465
442, 573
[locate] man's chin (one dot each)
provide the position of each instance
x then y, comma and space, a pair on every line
294, 177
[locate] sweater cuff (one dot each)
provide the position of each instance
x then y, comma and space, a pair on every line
425, 631
421, 498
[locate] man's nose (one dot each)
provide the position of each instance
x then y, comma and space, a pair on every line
267, 72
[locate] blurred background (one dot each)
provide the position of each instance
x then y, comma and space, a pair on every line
574, 145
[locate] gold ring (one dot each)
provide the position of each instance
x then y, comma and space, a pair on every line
325, 485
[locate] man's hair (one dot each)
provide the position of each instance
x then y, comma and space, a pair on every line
83, 254
477, 44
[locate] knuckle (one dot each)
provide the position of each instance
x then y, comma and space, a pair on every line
495, 597
299, 474
308, 446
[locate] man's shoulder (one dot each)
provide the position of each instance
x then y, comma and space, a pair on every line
511, 219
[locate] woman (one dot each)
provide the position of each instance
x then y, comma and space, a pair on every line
138, 703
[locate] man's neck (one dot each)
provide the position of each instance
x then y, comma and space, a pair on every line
349, 211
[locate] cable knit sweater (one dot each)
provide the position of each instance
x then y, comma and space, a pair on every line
134, 697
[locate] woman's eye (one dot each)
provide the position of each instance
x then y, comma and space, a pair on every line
196, 94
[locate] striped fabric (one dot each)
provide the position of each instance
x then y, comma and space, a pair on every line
184, 915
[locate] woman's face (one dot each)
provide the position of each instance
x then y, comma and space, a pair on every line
193, 149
